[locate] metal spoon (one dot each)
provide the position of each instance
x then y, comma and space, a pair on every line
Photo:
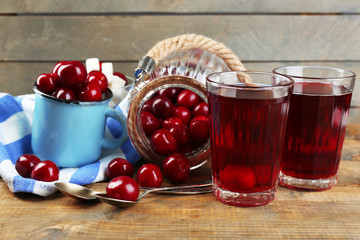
194, 189
76, 191
79, 192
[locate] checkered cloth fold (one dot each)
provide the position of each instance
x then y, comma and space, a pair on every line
16, 114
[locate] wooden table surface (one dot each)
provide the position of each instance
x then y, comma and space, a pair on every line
332, 214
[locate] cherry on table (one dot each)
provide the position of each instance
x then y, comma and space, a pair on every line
25, 164
201, 109
119, 167
123, 188
163, 142
183, 113
188, 99
88, 92
200, 128
176, 168
149, 175
64, 93
149, 123
48, 83
46, 171
162, 107
98, 78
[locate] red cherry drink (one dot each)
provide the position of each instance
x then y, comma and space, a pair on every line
248, 114
246, 142
315, 132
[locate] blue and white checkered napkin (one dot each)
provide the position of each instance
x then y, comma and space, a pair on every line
16, 114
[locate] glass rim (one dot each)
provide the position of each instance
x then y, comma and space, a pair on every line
288, 84
351, 73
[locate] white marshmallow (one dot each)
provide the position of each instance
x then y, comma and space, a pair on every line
107, 69
117, 82
92, 64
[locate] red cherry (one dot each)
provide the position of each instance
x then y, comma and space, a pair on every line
183, 113
188, 147
163, 142
64, 93
161, 120
80, 68
55, 77
98, 78
149, 123
200, 128
25, 164
72, 73
148, 105
188, 99
119, 167
171, 122
170, 93
47, 83
162, 107
176, 168
46, 171
122, 76
263, 174
237, 178
149, 175
201, 109
123, 188
58, 65
88, 92
181, 133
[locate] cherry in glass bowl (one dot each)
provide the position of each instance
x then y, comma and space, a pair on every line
168, 117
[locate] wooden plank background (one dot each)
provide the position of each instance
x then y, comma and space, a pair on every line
264, 34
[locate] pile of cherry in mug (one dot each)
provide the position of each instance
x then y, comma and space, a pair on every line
71, 80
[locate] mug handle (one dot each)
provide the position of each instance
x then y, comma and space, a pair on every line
118, 116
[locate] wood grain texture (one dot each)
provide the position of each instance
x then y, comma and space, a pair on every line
332, 214
179, 6
128, 38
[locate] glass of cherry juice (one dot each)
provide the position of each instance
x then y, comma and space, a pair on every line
316, 126
248, 114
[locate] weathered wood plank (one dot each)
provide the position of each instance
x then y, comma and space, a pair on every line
179, 6
127, 38
332, 214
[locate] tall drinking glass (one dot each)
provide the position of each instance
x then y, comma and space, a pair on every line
316, 126
247, 132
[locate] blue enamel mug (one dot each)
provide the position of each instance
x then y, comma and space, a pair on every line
71, 133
